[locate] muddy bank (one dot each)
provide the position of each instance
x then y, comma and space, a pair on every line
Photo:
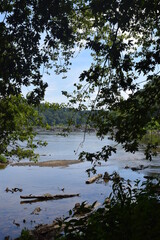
52, 163
3, 165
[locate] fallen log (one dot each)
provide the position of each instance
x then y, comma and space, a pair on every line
140, 167
49, 196
93, 179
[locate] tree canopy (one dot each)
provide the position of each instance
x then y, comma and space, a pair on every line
123, 37
124, 41
34, 35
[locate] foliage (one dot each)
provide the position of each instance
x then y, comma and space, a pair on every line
3, 159
17, 121
130, 212
62, 116
34, 36
124, 43
123, 38
152, 136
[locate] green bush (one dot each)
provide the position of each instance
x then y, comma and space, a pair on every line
132, 213
3, 159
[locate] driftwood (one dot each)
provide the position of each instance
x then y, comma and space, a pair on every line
140, 167
36, 211
45, 197
93, 179
14, 190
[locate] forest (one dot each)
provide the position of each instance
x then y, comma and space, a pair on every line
63, 117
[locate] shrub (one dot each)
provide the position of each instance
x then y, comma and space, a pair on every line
131, 214
3, 159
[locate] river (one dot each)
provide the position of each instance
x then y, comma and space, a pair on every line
41, 180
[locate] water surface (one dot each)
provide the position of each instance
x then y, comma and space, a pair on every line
41, 180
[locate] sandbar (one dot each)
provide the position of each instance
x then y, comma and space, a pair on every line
51, 163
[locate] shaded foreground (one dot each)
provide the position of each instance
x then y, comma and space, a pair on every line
131, 212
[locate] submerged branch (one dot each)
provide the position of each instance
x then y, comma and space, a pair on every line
46, 197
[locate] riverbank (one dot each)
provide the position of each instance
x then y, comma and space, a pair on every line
3, 165
64, 129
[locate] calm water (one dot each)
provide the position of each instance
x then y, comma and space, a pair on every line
37, 180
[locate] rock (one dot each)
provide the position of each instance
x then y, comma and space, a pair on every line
9, 190
77, 205
17, 224
97, 204
106, 176
14, 190
107, 201
47, 231
36, 211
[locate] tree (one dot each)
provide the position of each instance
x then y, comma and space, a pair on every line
124, 40
17, 120
123, 37
34, 34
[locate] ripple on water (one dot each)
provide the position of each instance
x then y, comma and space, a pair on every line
39, 180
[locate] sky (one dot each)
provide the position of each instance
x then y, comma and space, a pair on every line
56, 83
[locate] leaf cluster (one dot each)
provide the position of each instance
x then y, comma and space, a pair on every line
17, 122
124, 75
34, 36
131, 212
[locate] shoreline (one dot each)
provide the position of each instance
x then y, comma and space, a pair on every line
51, 163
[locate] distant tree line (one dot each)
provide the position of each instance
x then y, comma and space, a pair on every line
63, 116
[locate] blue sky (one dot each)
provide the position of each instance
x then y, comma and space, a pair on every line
56, 83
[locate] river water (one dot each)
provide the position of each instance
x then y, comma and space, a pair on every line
41, 180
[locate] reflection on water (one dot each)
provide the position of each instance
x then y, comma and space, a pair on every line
68, 148
38, 180
3, 166
63, 148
